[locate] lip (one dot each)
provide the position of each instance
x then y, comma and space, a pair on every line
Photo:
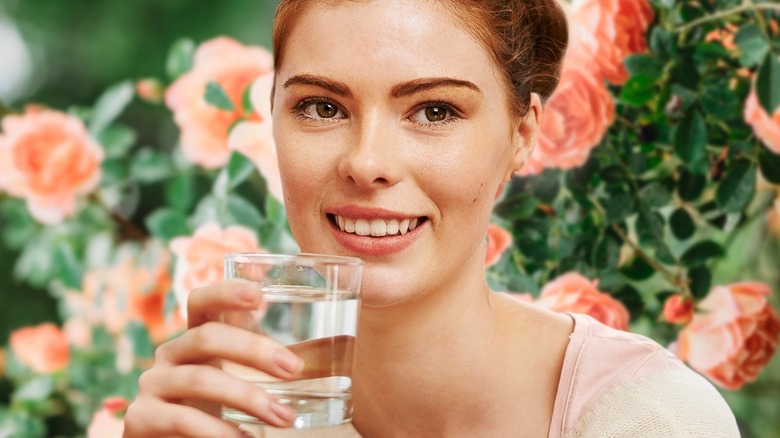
374, 246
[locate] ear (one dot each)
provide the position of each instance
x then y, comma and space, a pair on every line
524, 136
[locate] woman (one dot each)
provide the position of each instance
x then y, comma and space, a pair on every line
417, 112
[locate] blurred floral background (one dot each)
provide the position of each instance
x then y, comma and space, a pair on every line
135, 150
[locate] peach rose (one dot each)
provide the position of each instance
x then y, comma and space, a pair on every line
105, 424
254, 138
724, 36
200, 258
48, 158
204, 128
498, 241
572, 292
133, 288
618, 27
43, 348
150, 90
733, 335
678, 309
573, 122
766, 127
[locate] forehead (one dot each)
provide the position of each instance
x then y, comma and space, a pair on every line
388, 39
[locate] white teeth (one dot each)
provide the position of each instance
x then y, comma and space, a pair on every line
378, 228
404, 226
349, 225
392, 227
362, 227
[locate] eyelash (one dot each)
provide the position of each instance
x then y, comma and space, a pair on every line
454, 113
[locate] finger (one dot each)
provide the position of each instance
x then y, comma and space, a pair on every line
213, 339
209, 302
147, 417
200, 382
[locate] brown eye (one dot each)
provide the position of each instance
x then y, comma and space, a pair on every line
435, 113
326, 110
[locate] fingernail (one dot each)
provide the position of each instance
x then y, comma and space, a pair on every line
289, 362
246, 434
286, 413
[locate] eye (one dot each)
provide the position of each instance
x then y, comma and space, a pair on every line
435, 114
318, 109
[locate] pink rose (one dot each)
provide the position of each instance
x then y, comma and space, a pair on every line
574, 293
204, 128
678, 309
43, 348
498, 241
618, 28
254, 138
573, 122
200, 258
48, 158
105, 424
766, 127
733, 335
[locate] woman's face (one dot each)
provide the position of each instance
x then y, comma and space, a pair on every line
393, 132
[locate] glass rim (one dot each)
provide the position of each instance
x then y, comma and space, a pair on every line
304, 259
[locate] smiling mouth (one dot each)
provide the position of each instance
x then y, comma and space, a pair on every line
374, 227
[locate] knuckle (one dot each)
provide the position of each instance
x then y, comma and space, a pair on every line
145, 381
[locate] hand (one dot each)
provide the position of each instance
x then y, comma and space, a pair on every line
182, 392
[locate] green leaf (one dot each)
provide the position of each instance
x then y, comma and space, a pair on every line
770, 165
180, 58
116, 140
638, 269
690, 137
619, 207
36, 264
768, 83
110, 105
606, 254
611, 280
35, 390
275, 211
167, 223
216, 97
149, 166
700, 281
649, 226
644, 65
238, 210
139, 337
638, 91
180, 191
736, 189
700, 252
239, 168
655, 195
690, 185
682, 224
662, 44
614, 174
18, 226
630, 297
752, 44
719, 101
68, 268
517, 206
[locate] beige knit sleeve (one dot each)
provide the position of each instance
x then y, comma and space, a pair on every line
667, 404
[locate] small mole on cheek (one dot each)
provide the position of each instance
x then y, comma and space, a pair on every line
474, 201
481, 185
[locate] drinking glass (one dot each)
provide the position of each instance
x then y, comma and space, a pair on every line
311, 307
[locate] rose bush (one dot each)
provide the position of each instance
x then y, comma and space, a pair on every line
655, 175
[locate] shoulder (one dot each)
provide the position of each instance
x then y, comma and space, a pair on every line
605, 369
671, 403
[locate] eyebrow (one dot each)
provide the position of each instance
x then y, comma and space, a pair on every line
423, 84
401, 90
335, 87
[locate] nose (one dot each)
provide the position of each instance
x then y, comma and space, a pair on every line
372, 160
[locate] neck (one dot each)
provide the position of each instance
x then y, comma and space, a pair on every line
418, 361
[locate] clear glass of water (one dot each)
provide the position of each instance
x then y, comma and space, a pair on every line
312, 304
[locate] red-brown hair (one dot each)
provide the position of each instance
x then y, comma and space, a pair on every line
526, 38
